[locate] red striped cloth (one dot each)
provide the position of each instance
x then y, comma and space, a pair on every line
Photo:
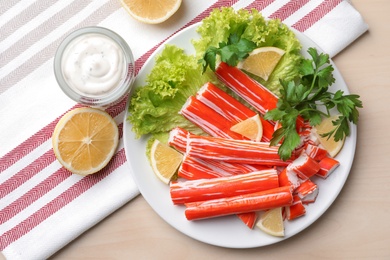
42, 206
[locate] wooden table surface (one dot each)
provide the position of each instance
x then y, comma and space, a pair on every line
356, 225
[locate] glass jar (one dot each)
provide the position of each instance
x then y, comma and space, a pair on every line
94, 66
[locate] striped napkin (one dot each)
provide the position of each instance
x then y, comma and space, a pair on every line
42, 206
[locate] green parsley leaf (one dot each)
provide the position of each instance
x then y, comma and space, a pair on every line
209, 58
231, 52
303, 98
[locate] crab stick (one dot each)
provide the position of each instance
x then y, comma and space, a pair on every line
249, 219
237, 151
247, 88
289, 178
257, 95
297, 209
304, 166
230, 108
178, 139
315, 151
327, 166
207, 119
226, 105
262, 200
195, 169
236, 168
308, 135
304, 135
307, 191
223, 187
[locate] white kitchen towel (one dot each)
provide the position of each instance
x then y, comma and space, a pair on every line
42, 206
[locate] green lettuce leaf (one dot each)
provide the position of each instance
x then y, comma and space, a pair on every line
154, 108
217, 27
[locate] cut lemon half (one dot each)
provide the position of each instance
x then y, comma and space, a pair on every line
85, 139
262, 61
330, 145
165, 161
251, 128
271, 222
151, 11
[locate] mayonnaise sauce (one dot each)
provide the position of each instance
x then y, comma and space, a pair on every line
93, 64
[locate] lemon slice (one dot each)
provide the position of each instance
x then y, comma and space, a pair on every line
165, 160
151, 11
251, 128
330, 145
85, 139
262, 61
271, 222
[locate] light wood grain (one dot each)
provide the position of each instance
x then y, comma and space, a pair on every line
355, 226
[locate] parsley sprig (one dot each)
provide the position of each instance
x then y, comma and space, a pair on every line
231, 52
304, 97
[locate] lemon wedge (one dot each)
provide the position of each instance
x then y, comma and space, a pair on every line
271, 222
164, 160
262, 61
151, 11
330, 145
251, 128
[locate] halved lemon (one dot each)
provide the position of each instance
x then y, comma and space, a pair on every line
330, 145
271, 222
151, 11
85, 139
251, 128
262, 61
165, 161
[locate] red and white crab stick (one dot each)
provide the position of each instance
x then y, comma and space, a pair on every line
257, 95
211, 188
289, 178
193, 168
315, 151
226, 105
262, 200
327, 166
230, 108
223, 187
307, 191
247, 88
296, 210
178, 139
196, 168
304, 166
237, 151
236, 168
207, 119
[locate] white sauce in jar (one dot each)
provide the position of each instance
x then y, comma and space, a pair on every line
93, 64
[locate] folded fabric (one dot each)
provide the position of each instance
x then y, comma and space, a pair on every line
42, 206
338, 25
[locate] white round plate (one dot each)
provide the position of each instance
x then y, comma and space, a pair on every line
227, 231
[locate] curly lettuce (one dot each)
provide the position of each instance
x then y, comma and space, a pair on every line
217, 27
154, 108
